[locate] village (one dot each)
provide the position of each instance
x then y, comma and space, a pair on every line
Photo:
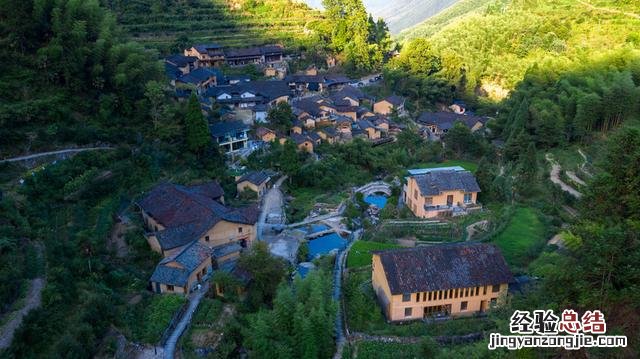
199, 232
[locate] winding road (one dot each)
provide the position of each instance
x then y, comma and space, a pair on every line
554, 176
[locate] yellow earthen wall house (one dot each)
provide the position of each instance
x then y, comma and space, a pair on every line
441, 280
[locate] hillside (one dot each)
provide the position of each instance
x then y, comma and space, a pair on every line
447, 16
229, 23
497, 42
401, 14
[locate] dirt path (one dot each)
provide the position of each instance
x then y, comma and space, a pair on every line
116, 241
575, 178
33, 300
59, 152
611, 11
554, 176
473, 228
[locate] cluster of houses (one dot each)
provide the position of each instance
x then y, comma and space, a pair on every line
435, 125
338, 116
196, 234
327, 108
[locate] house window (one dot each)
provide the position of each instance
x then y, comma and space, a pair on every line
466, 292
495, 288
428, 201
206, 238
169, 288
406, 297
494, 302
239, 229
445, 294
463, 305
484, 292
439, 295
429, 296
468, 197
407, 312
455, 293
477, 290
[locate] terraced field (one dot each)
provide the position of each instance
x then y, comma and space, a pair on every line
165, 25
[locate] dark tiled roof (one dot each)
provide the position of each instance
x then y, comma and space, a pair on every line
315, 137
261, 131
347, 108
270, 90
180, 60
330, 131
309, 106
246, 52
442, 267
256, 177
200, 75
364, 124
348, 91
446, 120
298, 138
223, 128
395, 100
204, 48
189, 259
188, 212
435, 182
254, 51
172, 71
225, 249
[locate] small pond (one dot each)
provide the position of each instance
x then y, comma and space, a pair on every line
376, 199
325, 244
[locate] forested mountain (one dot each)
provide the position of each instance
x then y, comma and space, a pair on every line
171, 24
401, 14
494, 43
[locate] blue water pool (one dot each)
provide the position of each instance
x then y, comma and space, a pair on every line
314, 228
378, 200
325, 244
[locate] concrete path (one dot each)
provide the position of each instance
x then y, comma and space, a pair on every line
272, 203
50, 153
194, 301
554, 176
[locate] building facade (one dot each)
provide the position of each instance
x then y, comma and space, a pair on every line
445, 191
440, 280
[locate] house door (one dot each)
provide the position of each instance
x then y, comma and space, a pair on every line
157, 287
450, 200
483, 306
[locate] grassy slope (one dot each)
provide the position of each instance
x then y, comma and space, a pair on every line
216, 21
447, 16
523, 233
499, 42
360, 253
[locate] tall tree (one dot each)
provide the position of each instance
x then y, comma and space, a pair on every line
197, 131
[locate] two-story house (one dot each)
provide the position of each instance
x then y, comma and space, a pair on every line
444, 191
387, 105
231, 136
176, 217
208, 55
439, 280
